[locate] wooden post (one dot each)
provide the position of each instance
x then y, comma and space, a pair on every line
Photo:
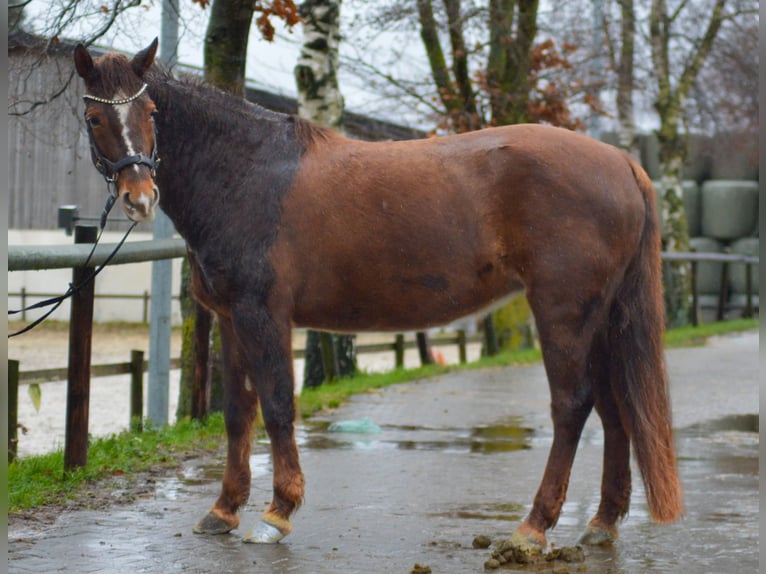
13, 409
424, 348
462, 348
136, 391
78, 370
399, 351
748, 312
23, 303
695, 296
145, 315
722, 292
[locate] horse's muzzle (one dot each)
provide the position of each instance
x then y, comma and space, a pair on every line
139, 204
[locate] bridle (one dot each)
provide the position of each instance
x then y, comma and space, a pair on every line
111, 170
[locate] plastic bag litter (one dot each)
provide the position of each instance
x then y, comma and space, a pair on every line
364, 425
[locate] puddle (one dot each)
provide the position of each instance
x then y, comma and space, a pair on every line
509, 512
748, 423
506, 436
732, 441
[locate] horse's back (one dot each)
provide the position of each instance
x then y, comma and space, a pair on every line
401, 234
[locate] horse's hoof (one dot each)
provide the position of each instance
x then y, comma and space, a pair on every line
214, 524
264, 533
528, 541
523, 547
596, 535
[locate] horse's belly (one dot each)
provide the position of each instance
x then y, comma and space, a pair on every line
429, 303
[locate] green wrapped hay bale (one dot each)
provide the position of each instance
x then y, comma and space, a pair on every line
708, 272
729, 208
747, 246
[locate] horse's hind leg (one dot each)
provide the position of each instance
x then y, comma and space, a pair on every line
240, 405
616, 480
565, 340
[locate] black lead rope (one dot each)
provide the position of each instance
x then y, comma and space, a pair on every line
55, 302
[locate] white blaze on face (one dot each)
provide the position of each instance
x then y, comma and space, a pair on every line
123, 110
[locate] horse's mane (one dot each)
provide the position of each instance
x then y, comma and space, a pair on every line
222, 108
216, 106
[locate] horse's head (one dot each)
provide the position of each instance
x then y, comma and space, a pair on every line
119, 117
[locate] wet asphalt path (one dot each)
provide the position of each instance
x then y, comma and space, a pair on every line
457, 456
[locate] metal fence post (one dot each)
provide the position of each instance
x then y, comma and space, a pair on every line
78, 371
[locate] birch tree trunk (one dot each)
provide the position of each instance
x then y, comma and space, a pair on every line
320, 100
625, 80
673, 146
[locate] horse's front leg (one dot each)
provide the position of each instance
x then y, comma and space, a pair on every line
240, 406
266, 342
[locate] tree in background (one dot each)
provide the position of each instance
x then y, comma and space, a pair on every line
678, 55
623, 64
320, 100
44, 32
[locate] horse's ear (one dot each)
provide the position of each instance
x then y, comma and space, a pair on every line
144, 59
83, 62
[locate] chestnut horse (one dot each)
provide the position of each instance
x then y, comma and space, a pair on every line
289, 224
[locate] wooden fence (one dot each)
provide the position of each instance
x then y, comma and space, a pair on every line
137, 366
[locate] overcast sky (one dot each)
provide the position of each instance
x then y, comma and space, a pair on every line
270, 64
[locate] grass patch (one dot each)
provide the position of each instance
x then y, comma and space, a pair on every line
690, 336
40, 480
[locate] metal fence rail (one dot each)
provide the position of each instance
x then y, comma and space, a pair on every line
36, 257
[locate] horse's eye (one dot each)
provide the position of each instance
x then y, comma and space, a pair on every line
153, 114
94, 121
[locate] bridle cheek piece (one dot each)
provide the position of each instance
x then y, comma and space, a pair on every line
111, 170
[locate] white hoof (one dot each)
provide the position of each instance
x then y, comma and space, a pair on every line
263, 533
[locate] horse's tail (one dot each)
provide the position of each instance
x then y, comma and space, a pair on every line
637, 365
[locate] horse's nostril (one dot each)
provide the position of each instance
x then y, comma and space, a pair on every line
156, 196
142, 205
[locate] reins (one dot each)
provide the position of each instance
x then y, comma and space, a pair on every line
109, 170
55, 302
